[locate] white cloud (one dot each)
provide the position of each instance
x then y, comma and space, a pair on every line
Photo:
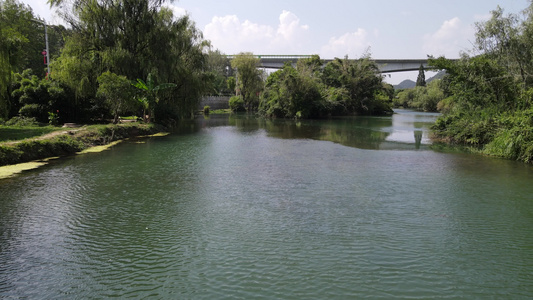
353, 44
231, 35
289, 26
176, 10
449, 40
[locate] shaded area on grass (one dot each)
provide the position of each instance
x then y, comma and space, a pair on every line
13, 133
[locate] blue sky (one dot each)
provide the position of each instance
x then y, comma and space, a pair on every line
335, 28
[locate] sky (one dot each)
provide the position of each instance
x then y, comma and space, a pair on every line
385, 29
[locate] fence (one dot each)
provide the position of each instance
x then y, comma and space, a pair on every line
215, 102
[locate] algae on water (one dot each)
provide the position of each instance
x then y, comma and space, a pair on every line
10, 170
96, 149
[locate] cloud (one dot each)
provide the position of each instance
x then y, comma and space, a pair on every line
449, 40
176, 10
353, 44
289, 27
231, 35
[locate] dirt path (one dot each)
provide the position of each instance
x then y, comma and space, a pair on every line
45, 136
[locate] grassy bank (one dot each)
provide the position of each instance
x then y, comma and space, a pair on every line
66, 142
15, 133
507, 135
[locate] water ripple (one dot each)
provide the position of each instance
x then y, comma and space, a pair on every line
226, 214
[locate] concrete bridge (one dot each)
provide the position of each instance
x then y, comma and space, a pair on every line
384, 65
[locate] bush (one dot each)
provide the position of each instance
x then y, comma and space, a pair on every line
236, 104
206, 110
21, 122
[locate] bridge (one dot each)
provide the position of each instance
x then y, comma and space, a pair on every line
384, 65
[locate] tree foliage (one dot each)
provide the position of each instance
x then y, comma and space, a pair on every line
118, 93
249, 81
421, 78
219, 70
35, 97
422, 98
342, 87
491, 93
21, 43
133, 38
149, 96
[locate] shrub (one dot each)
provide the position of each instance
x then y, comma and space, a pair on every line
236, 104
22, 121
206, 110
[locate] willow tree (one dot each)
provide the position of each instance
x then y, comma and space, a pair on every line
133, 38
249, 79
16, 26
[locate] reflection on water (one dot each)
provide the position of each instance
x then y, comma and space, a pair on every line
236, 207
405, 130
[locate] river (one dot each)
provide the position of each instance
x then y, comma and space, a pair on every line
242, 208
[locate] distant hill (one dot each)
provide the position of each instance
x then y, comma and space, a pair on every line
409, 84
406, 84
437, 76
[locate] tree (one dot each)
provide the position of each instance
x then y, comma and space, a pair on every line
15, 28
509, 42
309, 91
149, 97
362, 81
249, 79
291, 93
231, 83
421, 79
219, 69
118, 92
133, 38
35, 97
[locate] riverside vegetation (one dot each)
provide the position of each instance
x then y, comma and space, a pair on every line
28, 145
488, 102
137, 58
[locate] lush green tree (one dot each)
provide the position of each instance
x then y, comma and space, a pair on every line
249, 79
508, 41
291, 93
309, 91
35, 97
421, 78
236, 104
118, 93
219, 69
133, 38
24, 37
490, 94
149, 97
422, 98
231, 84
16, 26
362, 80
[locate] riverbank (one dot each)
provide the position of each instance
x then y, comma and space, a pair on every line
71, 141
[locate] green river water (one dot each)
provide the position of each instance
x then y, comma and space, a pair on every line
234, 207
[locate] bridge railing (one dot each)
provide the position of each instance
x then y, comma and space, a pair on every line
269, 56
385, 65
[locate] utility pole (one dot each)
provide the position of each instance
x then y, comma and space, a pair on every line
47, 49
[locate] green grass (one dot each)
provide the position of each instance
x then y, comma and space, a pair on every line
14, 133
220, 111
65, 144
129, 118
